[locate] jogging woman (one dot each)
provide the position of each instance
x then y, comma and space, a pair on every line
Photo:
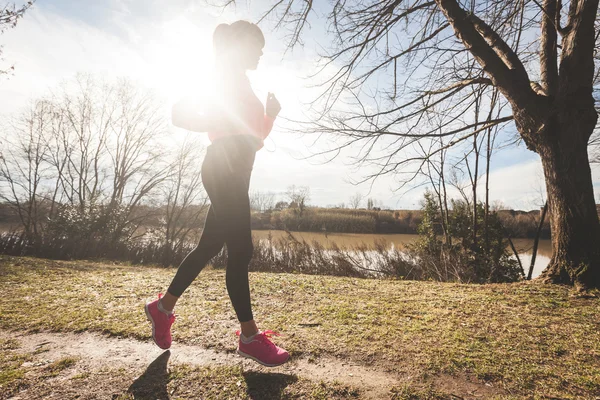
237, 125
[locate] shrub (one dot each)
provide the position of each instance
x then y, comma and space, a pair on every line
481, 259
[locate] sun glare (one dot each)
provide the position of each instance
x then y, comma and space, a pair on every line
181, 58
180, 65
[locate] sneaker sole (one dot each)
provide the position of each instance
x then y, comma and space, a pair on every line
149, 317
241, 353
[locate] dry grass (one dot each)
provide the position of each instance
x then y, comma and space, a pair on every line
525, 337
11, 373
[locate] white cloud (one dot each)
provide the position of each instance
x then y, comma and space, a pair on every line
47, 48
522, 186
519, 186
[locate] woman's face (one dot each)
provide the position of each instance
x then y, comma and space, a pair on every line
250, 52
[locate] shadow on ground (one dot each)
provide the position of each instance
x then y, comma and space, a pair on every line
152, 384
267, 386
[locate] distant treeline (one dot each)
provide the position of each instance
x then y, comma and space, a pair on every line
518, 224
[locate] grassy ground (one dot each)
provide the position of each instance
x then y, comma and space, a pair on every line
531, 340
60, 379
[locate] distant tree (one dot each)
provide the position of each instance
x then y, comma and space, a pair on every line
299, 197
262, 201
281, 205
356, 200
373, 204
9, 16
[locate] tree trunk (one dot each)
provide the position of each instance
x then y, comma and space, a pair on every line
572, 210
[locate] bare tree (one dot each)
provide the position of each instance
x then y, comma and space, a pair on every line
9, 16
86, 113
281, 205
22, 166
184, 199
356, 200
443, 55
299, 196
262, 201
372, 203
133, 147
105, 149
436, 174
90, 150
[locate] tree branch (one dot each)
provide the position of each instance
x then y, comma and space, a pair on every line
511, 82
577, 57
548, 50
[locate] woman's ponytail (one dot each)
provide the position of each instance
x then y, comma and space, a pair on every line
221, 37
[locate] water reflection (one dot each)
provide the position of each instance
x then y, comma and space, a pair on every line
523, 246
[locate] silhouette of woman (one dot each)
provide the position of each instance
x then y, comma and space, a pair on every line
237, 125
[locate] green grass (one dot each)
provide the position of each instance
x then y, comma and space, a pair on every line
58, 366
11, 370
524, 337
407, 392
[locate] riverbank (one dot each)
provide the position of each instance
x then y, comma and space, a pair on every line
516, 224
279, 251
350, 240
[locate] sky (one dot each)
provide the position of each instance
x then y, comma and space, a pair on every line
166, 46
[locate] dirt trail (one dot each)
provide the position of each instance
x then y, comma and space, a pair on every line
97, 351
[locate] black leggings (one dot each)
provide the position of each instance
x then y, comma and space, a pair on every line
226, 177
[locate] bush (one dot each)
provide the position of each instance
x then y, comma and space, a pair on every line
482, 259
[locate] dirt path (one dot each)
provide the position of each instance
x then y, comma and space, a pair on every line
97, 351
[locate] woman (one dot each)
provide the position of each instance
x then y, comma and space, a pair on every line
237, 125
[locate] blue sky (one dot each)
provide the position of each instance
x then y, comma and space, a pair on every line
164, 45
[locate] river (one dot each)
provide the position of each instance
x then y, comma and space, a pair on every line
524, 246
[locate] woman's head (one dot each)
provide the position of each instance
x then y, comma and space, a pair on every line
238, 45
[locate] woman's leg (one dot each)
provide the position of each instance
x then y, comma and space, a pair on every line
210, 244
238, 237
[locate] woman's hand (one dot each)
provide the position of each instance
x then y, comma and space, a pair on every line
273, 107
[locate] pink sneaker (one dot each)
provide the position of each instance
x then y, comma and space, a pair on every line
161, 324
262, 350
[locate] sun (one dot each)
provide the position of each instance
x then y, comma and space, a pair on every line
181, 59
180, 64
